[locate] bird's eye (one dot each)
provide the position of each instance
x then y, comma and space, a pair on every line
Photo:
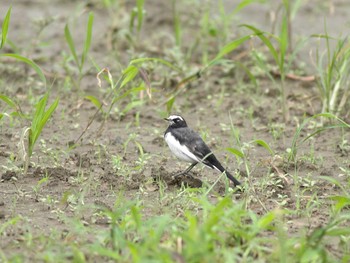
176, 120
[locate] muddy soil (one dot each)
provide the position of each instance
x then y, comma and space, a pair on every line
106, 160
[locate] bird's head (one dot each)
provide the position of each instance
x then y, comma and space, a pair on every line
176, 121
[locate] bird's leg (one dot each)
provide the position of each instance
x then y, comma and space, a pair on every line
186, 171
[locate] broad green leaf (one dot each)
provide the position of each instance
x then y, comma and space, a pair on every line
94, 101
265, 145
5, 26
8, 101
129, 74
235, 152
342, 201
30, 63
39, 112
266, 220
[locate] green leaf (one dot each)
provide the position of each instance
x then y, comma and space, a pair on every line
265, 145
129, 74
338, 231
5, 26
94, 101
229, 48
30, 63
127, 93
87, 43
342, 201
8, 101
39, 120
132, 105
266, 220
169, 104
235, 152
266, 41
71, 45
139, 4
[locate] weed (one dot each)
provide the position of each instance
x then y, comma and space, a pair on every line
294, 146
333, 75
40, 118
72, 47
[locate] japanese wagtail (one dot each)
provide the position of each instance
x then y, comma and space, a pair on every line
188, 146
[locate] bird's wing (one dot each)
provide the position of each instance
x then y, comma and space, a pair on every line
201, 150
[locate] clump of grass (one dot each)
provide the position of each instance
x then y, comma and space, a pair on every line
80, 62
117, 91
295, 144
333, 71
39, 120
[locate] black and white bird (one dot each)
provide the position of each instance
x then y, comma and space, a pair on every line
188, 146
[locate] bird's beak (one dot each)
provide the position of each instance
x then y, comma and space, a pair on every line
166, 119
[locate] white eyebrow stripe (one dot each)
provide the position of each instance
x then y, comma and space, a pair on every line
173, 117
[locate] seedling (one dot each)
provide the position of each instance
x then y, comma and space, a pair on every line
39, 121
333, 81
79, 61
294, 147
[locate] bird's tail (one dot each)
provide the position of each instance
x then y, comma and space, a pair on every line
213, 163
229, 176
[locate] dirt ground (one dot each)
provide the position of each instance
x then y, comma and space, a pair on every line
107, 162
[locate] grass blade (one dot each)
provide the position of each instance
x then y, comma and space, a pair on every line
228, 49
265, 40
129, 74
94, 101
162, 61
235, 152
39, 120
294, 146
87, 43
265, 145
5, 27
8, 101
31, 63
71, 45
139, 4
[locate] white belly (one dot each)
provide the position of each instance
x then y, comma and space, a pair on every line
180, 151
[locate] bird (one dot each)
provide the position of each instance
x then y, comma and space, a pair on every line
188, 146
